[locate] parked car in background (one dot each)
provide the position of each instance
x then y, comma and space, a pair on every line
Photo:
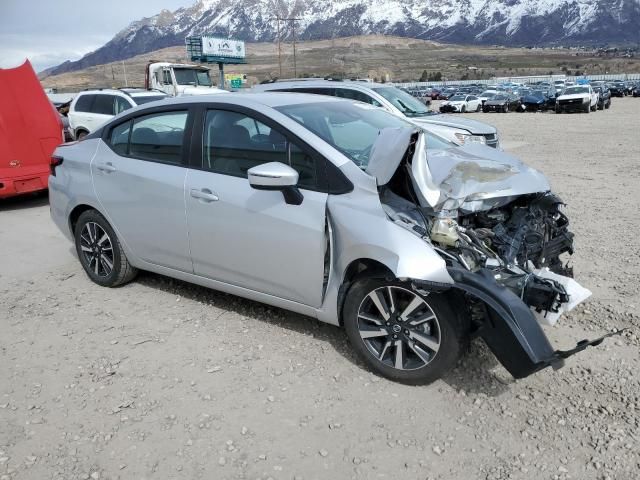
636, 90
461, 103
629, 85
502, 102
538, 100
487, 95
394, 100
604, 96
333, 209
91, 108
616, 89
578, 98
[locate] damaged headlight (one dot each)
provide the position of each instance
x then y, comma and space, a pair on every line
466, 137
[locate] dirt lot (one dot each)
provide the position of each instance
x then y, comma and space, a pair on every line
162, 380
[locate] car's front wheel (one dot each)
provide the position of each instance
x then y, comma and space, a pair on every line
100, 251
401, 334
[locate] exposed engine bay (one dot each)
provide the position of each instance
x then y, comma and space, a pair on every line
522, 239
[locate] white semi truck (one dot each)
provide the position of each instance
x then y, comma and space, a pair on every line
177, 79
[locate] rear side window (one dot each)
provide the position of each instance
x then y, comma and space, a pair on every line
84, 103
158, 137
103, 105
119, 138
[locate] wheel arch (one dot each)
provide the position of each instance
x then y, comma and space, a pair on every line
359, 268
75, 213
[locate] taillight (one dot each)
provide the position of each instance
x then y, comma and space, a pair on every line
56, 161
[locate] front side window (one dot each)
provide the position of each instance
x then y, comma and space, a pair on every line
234, 142
166, 77
158, 137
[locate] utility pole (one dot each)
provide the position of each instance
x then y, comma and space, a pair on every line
279, 50
295, 66
293, 20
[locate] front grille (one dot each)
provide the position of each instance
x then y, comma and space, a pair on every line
574, 101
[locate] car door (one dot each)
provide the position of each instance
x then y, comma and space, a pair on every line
252, 238
81, 111
138, 174
102, 110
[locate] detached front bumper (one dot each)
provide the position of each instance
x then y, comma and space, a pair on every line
512, 332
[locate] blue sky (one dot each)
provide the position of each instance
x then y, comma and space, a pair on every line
48, 32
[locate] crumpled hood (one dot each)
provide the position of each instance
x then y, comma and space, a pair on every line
532, 99
470, 178
473, 126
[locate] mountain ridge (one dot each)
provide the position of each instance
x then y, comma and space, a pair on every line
502, 22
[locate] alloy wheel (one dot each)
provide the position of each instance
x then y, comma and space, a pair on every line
399, 328
97, 249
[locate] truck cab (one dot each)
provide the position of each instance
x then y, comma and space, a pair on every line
178, 79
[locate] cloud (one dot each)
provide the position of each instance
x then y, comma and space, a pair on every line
51, 32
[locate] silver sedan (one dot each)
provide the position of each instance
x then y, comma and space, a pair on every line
333, 209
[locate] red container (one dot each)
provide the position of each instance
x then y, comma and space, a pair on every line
30, 130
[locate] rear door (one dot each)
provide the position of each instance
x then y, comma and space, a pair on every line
253, 238
139, 172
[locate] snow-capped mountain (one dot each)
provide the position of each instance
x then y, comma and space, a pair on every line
505, 22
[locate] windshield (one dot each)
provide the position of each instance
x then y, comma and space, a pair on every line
403, 101
351, 128
573, 90
457, 98
500, 97
190, 76
488, 94
148, 98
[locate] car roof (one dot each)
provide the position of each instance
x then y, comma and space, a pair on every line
359, 85
269, 99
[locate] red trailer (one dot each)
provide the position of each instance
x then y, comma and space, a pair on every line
30, 130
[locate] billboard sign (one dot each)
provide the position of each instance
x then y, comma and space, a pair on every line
223, 47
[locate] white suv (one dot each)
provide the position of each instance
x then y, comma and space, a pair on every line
91, 108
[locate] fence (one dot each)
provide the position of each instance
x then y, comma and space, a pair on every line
531, 79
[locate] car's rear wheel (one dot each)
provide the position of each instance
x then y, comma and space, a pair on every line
401, 334
478, 108
100, 252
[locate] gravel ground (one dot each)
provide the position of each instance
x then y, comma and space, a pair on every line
161, 379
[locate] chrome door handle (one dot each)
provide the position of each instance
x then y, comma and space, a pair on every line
106, 167
204, 194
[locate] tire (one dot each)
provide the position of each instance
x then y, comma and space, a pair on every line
421, 363
558, 110
463, 109
96, 254
479, 108
81, 134
587, 109
607, 105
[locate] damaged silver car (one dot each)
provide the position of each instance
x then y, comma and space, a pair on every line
334, 209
